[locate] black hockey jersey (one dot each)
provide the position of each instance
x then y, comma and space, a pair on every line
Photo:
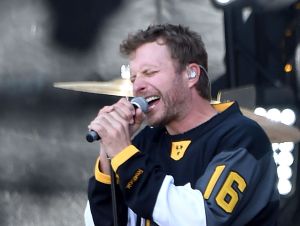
219, 173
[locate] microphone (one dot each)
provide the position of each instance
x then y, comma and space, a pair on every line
137, 102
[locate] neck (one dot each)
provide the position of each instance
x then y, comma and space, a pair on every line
198, 113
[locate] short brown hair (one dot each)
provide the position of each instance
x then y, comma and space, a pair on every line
185, 46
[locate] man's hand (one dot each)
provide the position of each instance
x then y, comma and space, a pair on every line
115, 125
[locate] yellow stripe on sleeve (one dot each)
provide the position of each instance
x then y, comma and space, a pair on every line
123, 156
101, 177
148, 223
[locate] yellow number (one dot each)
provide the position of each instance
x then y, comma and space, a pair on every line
227, 197
213, 180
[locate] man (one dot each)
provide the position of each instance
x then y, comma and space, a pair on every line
198, 164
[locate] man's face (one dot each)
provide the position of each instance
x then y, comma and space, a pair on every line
154, 76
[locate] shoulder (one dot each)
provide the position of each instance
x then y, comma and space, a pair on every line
238, 131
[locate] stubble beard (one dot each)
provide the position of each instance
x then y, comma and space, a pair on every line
173, 102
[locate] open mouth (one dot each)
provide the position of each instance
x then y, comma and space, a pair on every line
151, 100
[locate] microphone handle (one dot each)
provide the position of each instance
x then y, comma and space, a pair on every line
92, 136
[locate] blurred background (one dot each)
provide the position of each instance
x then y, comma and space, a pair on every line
45, 161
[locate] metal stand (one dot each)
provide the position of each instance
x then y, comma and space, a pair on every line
113, 196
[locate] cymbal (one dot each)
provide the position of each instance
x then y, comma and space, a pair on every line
118, 87
276, 131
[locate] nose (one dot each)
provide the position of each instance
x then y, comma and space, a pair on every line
139, 86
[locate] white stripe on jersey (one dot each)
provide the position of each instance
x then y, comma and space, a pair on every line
88, 219
131, 218
179, 205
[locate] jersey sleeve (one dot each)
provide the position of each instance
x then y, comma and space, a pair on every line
239, 188
100, 200
139, 180
239, 185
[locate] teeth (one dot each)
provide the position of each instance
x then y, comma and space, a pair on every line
152, 98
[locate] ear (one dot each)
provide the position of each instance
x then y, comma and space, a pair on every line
193, 73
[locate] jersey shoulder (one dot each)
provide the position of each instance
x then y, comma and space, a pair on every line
237, 131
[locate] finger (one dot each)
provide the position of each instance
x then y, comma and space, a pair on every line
106, 109
125, 109
124, 113
112, 124
139, 117
118, 120
98, 121
99, 125
126, 104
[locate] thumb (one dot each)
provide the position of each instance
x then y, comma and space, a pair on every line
138, 118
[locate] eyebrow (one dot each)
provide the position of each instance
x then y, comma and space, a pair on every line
145, 67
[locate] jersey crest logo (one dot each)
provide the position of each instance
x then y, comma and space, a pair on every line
179, 148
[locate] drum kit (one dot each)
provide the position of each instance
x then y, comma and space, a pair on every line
276, 131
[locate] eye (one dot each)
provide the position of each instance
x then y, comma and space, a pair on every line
149, 72
132, 78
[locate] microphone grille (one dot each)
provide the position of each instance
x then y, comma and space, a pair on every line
140, 102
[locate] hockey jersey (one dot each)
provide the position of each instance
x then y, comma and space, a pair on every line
221, 172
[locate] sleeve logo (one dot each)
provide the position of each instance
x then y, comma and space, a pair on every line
136, 176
